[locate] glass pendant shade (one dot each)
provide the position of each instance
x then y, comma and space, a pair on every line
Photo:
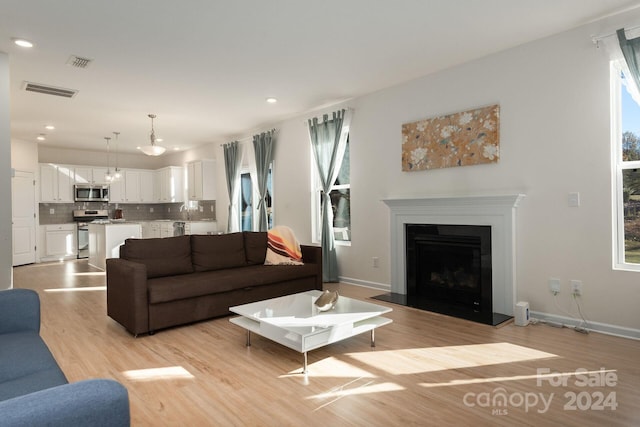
152, 149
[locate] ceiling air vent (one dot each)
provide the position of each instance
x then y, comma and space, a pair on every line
78, 61
49, 90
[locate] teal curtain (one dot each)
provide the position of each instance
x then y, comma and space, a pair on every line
232, 162
263, 145
328, 143
631, 52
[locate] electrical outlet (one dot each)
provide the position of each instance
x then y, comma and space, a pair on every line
576, 287
151, 210
201, 208
52, 211
554, 285
375, 262
211, 208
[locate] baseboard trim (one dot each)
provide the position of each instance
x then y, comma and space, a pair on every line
365, 283
603, 328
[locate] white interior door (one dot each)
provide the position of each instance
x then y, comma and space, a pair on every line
24, 218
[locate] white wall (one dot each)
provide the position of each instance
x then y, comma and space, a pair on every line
6, 256
555, 124
24, 156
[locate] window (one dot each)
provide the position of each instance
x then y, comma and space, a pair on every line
246, 203
627, 170
340, 202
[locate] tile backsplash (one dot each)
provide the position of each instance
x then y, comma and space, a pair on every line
62, 213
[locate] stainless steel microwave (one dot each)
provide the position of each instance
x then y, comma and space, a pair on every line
91, 193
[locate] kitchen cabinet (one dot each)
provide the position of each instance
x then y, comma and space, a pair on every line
200, 227
56, 183
150, 229
59, 241
90, 175
131, 186
146, 186
117, 190
169, 185
166, 228
201, 180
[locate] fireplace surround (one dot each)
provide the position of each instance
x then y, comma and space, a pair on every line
497, 212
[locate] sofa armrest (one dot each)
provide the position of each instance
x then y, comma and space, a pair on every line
89, 403
127, 296
19, 311
313, 255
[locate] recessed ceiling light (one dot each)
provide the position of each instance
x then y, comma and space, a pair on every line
176, 148
159, 139
41, 137
271, 100
50, 127
22, 42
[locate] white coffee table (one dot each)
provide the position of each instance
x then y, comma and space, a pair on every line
294, 321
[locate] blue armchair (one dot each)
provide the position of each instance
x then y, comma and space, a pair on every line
33, 388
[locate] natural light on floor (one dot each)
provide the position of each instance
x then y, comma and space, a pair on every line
417, 360
155, 374
352, 388
85, 289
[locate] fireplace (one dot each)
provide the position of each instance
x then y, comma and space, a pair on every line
449, 268
495, 215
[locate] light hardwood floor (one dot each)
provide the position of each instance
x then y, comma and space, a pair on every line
427, 369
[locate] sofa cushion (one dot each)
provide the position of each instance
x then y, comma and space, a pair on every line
163, 257
214, 252
27, 365
255, 246
166, 289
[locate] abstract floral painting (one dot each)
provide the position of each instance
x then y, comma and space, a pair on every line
461, 139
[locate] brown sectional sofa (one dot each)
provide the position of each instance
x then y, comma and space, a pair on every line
159, 283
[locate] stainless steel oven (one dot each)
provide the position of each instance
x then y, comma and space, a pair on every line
83, 218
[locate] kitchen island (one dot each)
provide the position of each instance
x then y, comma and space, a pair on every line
105, 238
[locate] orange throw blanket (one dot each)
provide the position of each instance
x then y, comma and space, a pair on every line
282, 247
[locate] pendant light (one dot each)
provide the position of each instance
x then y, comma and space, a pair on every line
117, 174
107, 176
152, 149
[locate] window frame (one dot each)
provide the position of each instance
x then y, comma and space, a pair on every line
619, 165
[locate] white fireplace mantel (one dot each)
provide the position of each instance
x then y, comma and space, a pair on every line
497, 211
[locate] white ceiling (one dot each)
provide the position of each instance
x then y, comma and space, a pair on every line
205, 67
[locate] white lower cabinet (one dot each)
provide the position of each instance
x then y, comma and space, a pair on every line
59, 241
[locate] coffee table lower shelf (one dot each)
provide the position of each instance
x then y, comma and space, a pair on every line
303, 343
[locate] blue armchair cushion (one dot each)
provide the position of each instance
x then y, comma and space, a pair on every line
26, 365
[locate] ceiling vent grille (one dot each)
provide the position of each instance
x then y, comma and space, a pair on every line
78, 61
49, 90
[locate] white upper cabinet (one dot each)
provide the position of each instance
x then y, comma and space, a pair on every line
166, 185
169, 185
146, 186
132, 186
56, 183
201, 177
90, 175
